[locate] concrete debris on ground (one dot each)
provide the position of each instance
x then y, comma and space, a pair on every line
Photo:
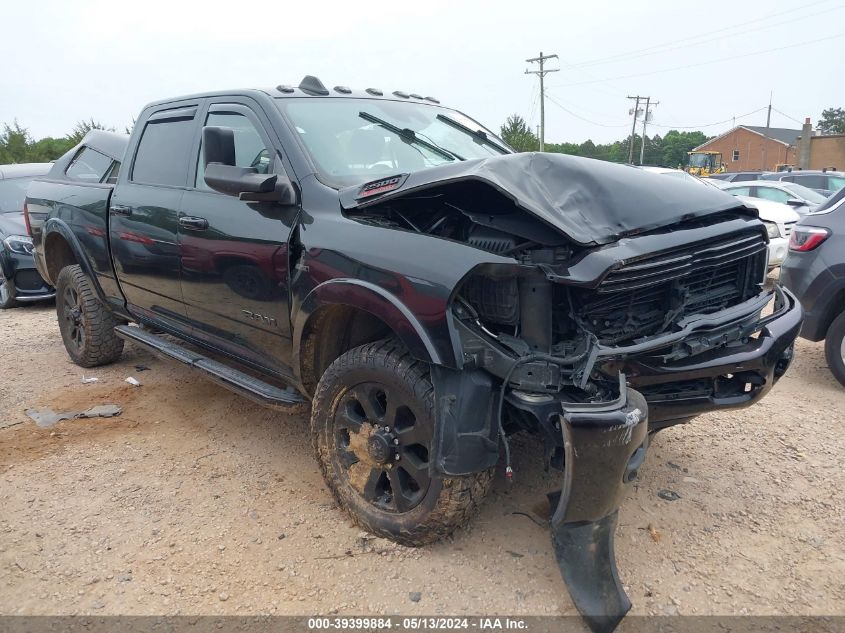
47, 417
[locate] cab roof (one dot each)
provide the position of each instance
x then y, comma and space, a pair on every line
310, 86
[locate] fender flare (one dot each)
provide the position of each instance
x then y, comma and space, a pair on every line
370, 298
55, 225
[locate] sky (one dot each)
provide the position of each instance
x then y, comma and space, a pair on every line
704, 62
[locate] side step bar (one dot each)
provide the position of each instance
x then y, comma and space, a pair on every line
253, 388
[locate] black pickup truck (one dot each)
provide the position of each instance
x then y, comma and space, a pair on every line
429, 292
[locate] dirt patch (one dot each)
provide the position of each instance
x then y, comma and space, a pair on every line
196, 501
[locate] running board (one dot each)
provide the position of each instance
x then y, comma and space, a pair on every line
253, 388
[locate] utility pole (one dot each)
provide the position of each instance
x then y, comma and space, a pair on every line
766, 142
636, 113
542, 59
645, 122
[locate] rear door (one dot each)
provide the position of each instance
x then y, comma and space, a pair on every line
234, 253
143, 215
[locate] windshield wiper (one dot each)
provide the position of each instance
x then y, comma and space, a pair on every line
409, 136
479, 135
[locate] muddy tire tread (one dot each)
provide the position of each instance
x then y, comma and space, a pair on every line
102, 345
459, 498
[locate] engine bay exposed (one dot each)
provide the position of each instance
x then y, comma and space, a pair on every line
470, 213
532, 307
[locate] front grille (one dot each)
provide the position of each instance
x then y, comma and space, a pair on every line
645, 296
29, 280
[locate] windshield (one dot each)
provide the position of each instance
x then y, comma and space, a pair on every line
803, 192
353, 141
13, 193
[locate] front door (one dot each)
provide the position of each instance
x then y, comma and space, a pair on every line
234, 254
142, 217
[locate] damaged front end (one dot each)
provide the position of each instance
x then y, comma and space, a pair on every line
590, 327
594, 351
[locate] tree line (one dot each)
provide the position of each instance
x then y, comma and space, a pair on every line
669, 150
18, 146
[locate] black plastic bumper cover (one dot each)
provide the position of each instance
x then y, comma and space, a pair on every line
604, 445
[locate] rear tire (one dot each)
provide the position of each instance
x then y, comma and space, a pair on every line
834, 348
87, 326
373, 403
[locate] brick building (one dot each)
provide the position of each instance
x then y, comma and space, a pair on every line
751, 147
816, 151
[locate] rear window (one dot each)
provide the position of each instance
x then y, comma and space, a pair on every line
13, 193
88, 166
813, 181
162, 157
741, 177
739, 191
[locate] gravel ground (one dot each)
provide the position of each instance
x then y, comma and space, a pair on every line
195, 501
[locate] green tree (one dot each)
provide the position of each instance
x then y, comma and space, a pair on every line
14, 143
676, 145
48, 149
516, 133
83, 127
832, 121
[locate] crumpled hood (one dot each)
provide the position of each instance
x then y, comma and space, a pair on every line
12, 223
591, 201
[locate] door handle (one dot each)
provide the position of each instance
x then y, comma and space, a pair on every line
120, 209
193, 223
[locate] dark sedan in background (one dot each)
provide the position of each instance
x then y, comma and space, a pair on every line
19, 280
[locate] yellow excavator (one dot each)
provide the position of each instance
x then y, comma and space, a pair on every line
705, 163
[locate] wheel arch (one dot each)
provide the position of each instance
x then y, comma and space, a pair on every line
341, 314
62, 248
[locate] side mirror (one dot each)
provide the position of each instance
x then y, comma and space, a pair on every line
221, 173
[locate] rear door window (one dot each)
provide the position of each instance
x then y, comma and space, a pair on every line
162, 156
88, 166
740, 191
770, 193
836, 183
813, 181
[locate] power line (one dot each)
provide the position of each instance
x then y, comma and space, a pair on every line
578, 116
698, 127
541, 74
791, 118
716, 39
704, 63
686, 40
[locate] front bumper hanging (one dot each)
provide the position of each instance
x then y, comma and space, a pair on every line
604, 445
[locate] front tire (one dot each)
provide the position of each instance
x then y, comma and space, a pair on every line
372, 422
834, 348
87, 326
7, 293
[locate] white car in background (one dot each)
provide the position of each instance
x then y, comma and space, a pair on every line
801, 199
779, 218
